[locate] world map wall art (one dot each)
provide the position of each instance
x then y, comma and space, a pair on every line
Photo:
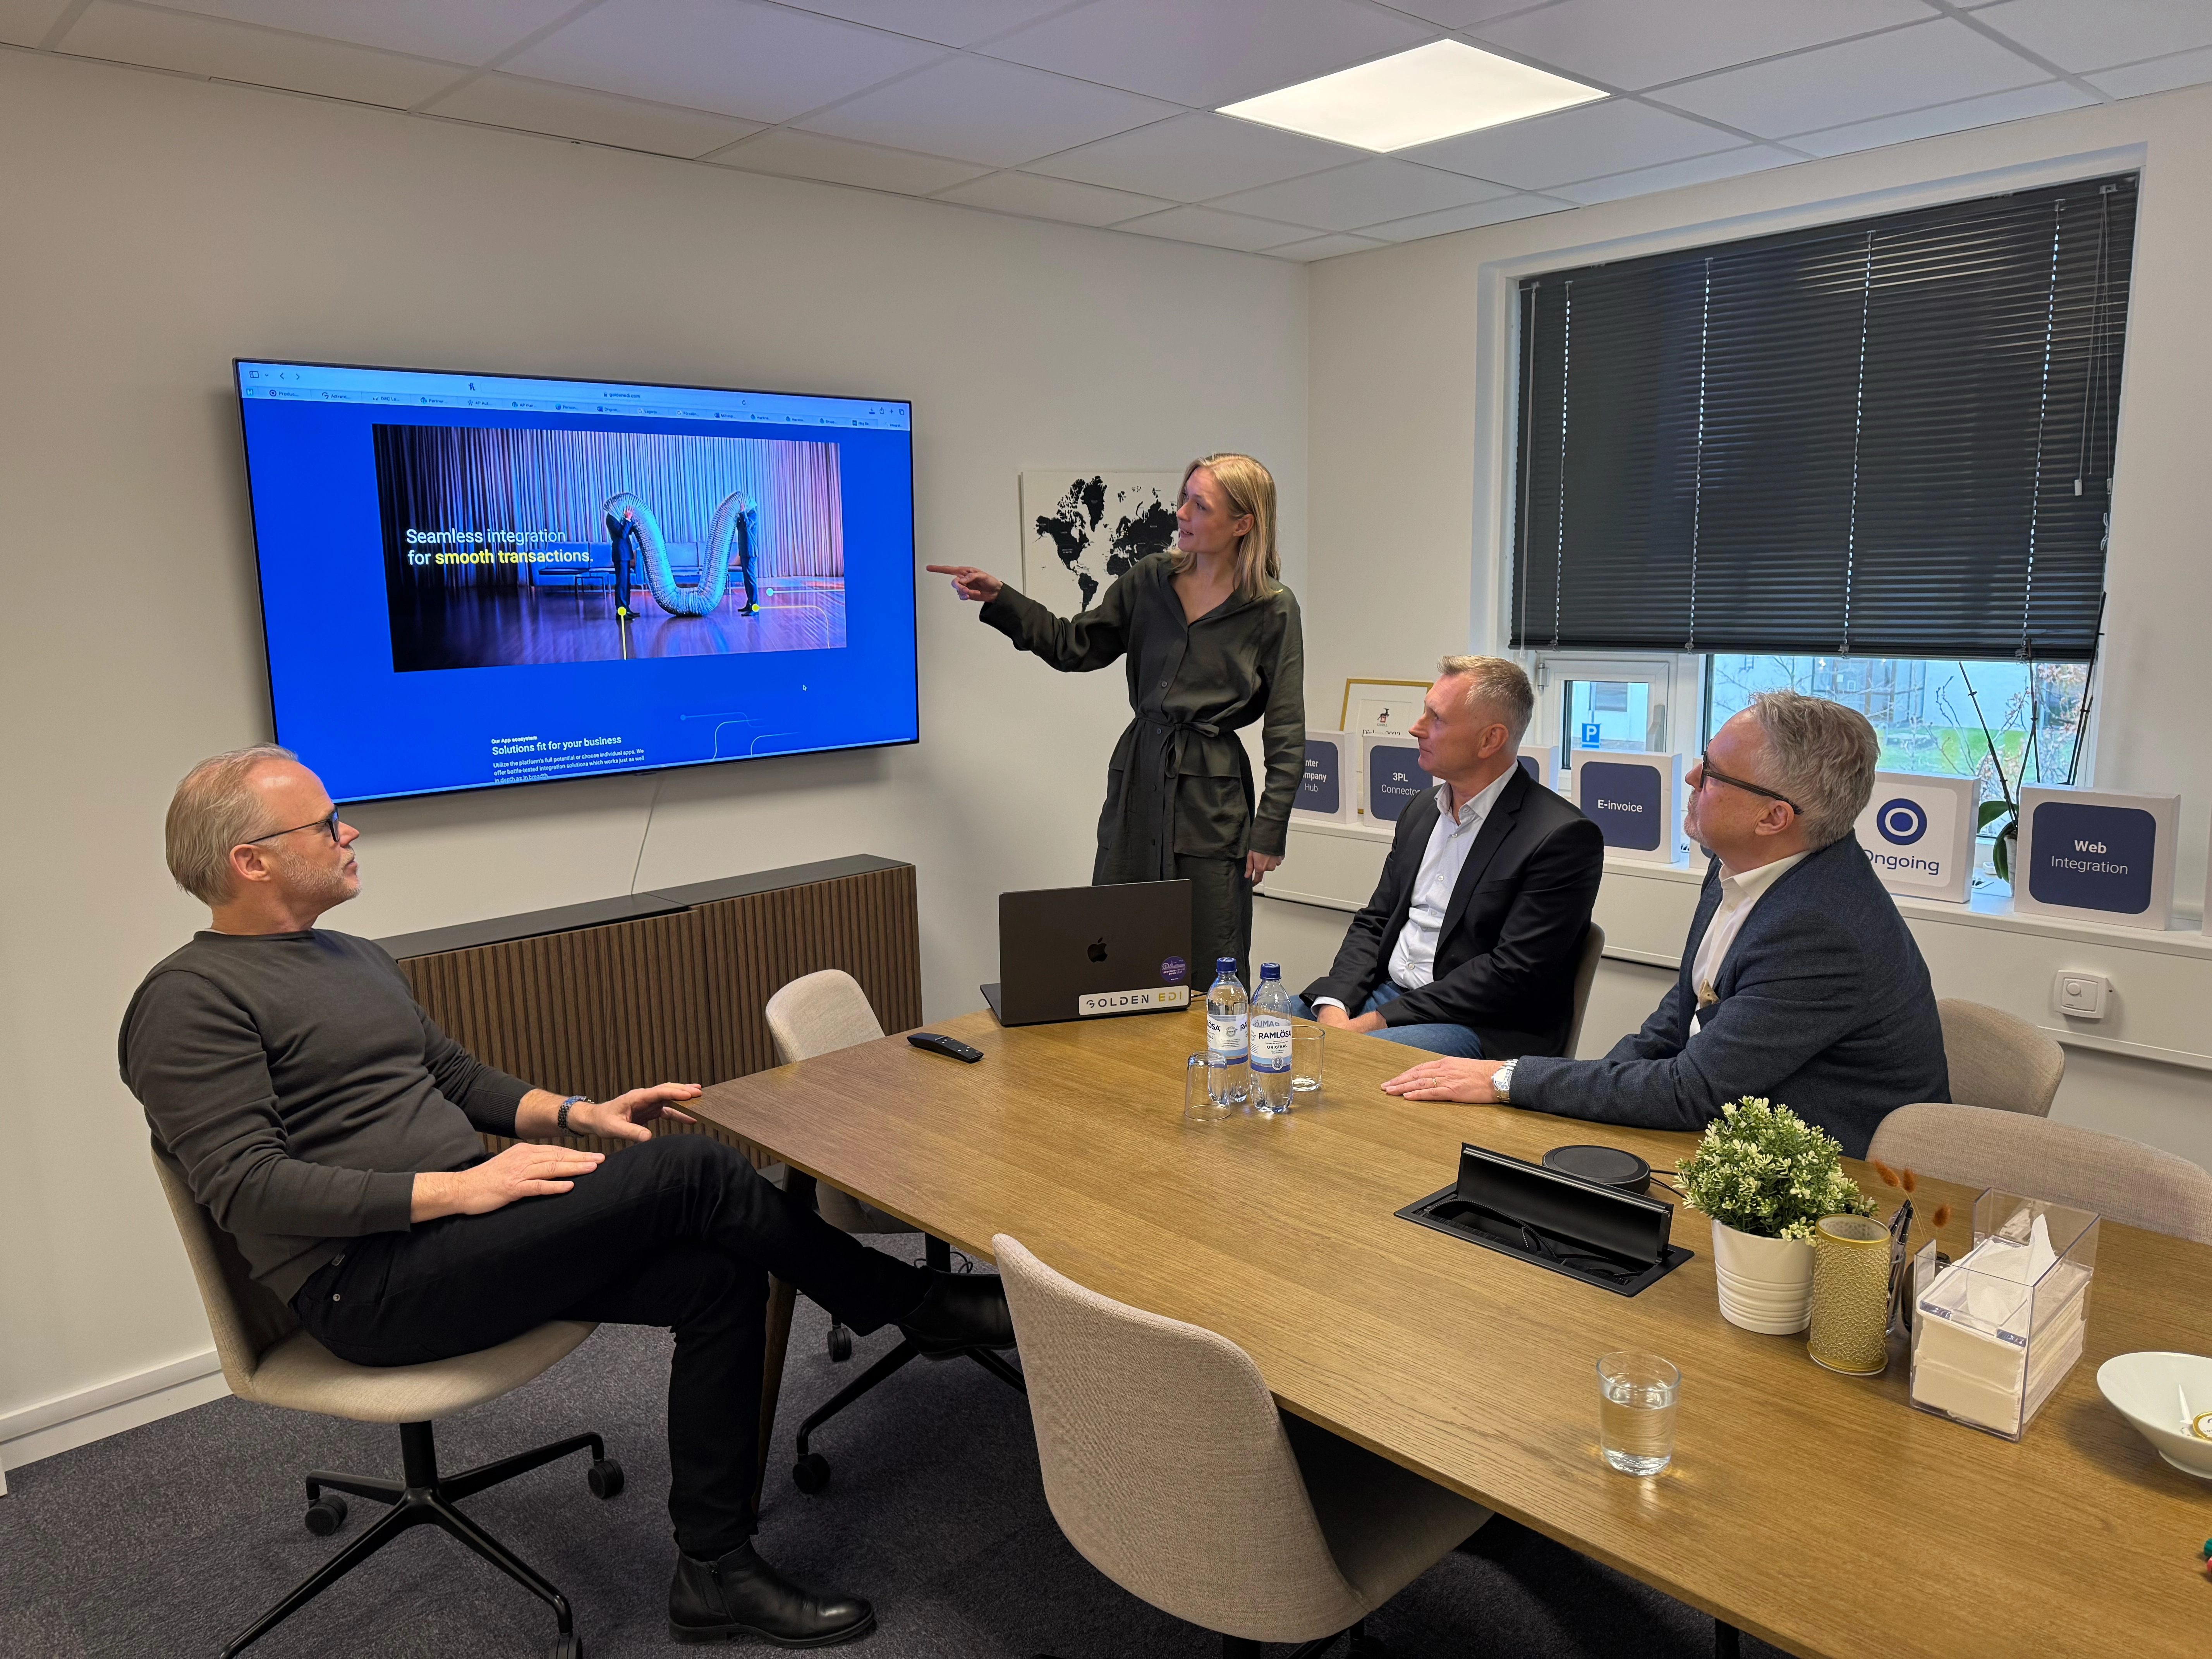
1081, 529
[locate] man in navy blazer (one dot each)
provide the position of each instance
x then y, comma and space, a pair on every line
1799, 982
1470, 942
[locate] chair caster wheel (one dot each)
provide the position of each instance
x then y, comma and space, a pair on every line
841, 1344
327, 1515
605, 1476
570, 1646
811, 1473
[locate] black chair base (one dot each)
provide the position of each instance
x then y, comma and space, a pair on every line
810, 1473
422, 1499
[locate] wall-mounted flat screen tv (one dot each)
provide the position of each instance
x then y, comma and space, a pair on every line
473, 580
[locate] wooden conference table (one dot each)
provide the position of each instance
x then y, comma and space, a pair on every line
1818, 1511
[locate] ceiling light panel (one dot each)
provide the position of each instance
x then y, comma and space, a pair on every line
1432, 92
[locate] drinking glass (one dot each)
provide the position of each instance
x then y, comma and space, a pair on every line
1305, 1055
1205, 1090
1636, 1396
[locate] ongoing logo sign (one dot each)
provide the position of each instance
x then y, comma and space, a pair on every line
1901, 822
2092, 857
1394, 777
1626, 802
1318, 785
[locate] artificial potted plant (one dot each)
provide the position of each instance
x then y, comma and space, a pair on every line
1765, 1176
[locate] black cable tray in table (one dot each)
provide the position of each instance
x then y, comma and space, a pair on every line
1599, 1235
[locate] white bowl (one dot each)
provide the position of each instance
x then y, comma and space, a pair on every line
2152, 1390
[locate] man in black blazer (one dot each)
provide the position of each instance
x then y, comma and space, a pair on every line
1800, 982
1469, 946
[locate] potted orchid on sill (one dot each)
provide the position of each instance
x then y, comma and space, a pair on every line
1765, 1176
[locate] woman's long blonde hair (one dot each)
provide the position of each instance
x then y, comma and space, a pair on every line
1251, 490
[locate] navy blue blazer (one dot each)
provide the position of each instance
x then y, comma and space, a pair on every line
1825, 1006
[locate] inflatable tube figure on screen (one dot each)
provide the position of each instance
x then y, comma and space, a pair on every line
636, 532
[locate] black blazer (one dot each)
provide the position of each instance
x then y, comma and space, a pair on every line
1513, 931
1823, 1007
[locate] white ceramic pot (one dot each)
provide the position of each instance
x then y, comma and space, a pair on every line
1766, 1283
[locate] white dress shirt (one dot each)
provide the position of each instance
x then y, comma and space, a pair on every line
1738, 895
1414, 958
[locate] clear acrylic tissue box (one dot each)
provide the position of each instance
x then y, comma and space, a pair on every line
1996, 1332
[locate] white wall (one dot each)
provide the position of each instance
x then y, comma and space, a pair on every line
159, 226
1411, 378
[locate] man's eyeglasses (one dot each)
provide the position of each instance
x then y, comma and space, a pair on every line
329, 824
1707, 775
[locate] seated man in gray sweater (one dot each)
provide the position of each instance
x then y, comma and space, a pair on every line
330, 1127
1800, 982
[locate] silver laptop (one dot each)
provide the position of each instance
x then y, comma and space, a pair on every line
1091, 952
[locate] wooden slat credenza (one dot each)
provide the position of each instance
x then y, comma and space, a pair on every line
668, 985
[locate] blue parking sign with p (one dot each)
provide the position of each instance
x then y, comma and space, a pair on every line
1592, 737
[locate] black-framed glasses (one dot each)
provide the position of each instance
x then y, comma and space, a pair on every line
1705, 773
330, 824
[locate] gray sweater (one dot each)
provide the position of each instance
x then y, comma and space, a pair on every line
294, 1083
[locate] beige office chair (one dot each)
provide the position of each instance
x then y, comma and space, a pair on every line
1170, 1468
2137, 1185
267, 1358
1585, 976
1997, 1060
818, 1014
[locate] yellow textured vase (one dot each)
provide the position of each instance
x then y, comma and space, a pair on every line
1850, 1331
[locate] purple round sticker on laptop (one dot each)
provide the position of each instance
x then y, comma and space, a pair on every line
1174, 971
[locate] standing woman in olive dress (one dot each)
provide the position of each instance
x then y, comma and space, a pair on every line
1213, 643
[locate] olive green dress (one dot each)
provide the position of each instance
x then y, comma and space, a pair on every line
1180, 803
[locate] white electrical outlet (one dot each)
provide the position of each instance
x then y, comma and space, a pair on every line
2081, 996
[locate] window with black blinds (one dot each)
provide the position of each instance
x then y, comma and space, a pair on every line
1889, 438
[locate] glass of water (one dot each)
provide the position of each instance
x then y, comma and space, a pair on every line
1305, 1055
1204, 1091
1636, 1397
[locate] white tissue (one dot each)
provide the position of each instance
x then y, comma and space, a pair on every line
1971, 1353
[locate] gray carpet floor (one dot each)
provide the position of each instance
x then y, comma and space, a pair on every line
171, 1538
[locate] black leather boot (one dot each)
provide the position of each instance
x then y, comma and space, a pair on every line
961, 1310
740, 1594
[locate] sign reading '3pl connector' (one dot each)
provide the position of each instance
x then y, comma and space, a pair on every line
1394, 777
1917, 831
2097, 853
1634, 798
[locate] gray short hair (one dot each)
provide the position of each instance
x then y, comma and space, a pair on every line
1823, 757
212, 811
1498, 683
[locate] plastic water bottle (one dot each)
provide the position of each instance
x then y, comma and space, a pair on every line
1271, 1041
1228, 1033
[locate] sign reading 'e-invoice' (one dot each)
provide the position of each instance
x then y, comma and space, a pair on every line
1626, 802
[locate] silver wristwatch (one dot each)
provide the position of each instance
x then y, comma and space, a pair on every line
1501, 1080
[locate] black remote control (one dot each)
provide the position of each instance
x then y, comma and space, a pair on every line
938, 1043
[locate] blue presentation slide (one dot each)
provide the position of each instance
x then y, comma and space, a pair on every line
473, 580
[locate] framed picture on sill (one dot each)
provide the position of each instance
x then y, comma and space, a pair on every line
1379, 708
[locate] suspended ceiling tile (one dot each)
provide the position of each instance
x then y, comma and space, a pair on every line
1465, 14
985, 111
1635, 43
1195, 157
1361, 194
792, 154
1208, 52
26, 22
1672, 175
734, 56
951, 22
263, 58
1323, 247
1575, 144
465, 34
2092, 34
1217, 229
598, 118
1467, 218
2186, 68
2050, 96
1052, 198
1937, 63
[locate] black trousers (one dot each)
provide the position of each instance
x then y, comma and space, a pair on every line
678, 1232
